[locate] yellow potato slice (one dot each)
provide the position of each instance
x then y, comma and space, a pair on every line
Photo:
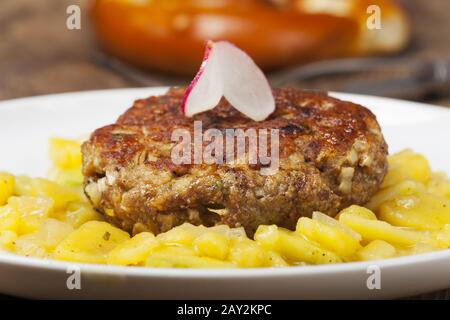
10, 219
372, 230
52, 232
67, 177
133, 251
178, 257
7, 239
417, 249
439, 238
407, 165
29, 246
7, 183
212, 244
91, 243
32, 211
248, 254
358, 211
61, 195
439, 185
65, 153
329, 237
376, 250
275, 260
41, 243
237, 233
78, 213
422, 211
182, 235
334, 223
267, 236
293, 247
404, 188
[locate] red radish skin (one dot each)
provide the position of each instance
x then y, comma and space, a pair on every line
208, 48
227, 71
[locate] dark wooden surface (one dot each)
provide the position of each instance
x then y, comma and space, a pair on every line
38, 55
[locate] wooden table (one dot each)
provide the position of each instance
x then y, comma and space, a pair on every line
38, 55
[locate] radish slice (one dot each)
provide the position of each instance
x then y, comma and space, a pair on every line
228, 71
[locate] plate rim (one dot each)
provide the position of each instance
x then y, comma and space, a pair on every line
335, 94
222, 273
310, 270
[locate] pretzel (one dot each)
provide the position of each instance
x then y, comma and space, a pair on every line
169, 35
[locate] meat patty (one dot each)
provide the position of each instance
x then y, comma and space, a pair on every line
332, 154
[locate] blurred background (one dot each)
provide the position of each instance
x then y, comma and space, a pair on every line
399, 48
314, 44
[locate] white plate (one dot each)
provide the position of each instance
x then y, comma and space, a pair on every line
27, 124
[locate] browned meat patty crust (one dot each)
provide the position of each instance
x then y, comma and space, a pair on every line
332, 155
